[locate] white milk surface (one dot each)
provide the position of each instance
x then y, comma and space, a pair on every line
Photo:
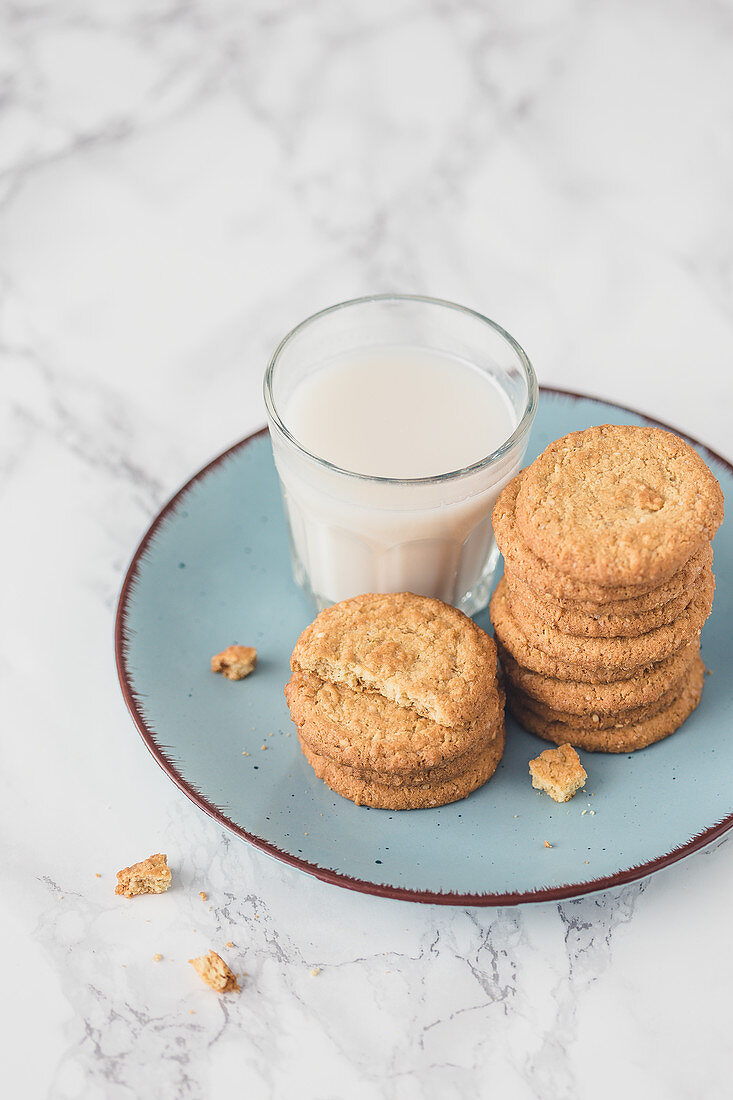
401, 413
397, 413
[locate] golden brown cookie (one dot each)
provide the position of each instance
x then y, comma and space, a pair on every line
621, 738
611, 698
598, 721
603, 624
513, 639
622, 654
346, 782
618, 505
362, 729
416, 651
548, 582
449, 769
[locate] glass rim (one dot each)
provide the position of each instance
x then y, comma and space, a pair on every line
517, 435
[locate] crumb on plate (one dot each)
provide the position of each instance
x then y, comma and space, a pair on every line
558, 772
235, 662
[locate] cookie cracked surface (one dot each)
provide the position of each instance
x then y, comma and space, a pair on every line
396, 701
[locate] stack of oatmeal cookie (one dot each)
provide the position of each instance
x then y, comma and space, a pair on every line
608, 581
396, 701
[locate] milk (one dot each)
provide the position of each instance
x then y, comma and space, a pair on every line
400, 413
396, 412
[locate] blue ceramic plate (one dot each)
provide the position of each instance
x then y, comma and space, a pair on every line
214, 569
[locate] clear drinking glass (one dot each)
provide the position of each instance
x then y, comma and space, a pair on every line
352, 533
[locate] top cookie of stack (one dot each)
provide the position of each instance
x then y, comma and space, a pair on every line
608, 581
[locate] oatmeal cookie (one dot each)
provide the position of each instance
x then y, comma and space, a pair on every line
550, 583
618, 505
620, 738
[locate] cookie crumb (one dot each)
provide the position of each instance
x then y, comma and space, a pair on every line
150, 876
229, 944
235, 662
245, 754
558, 772
315, 971
263, 747
547, 844
212, 969
157, 957
203, 895
97, 874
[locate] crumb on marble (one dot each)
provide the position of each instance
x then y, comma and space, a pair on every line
263, 747
157, 957
97, 874
558, 772
547, 844
235, 662
150, 876
315, 971
212, 969
203, 895
229, 944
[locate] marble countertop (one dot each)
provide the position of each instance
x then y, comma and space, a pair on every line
180, 182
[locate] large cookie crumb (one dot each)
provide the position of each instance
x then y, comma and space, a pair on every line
235, 662
150, 876
558, 772
212, 969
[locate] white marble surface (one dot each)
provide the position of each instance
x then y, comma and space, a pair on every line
183, 180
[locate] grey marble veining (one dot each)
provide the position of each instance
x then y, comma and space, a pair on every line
180, 183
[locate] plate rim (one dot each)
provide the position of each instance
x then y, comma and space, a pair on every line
324, 874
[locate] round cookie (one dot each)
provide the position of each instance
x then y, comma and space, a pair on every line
513, 639
623, 738
611, 698
547, 581
451, 769
362, 729
618, 504
603, 624
373, 792
597, 721
416, 651
623, 654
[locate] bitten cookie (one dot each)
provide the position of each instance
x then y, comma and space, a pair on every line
396, 701
416, 651
618, 505
362, 729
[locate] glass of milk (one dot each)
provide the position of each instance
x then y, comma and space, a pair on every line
395, 423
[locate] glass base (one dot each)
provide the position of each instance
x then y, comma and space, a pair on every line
470, 603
